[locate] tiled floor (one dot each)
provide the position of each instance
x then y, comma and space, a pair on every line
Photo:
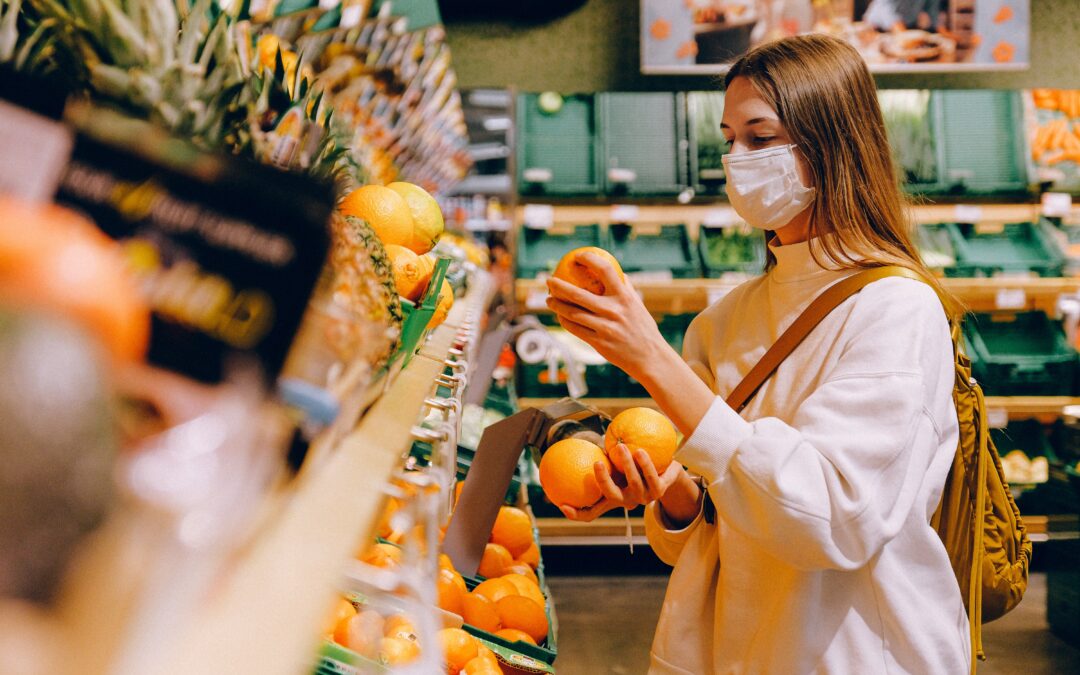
606, 625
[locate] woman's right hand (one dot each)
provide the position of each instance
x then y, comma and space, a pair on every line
639, 483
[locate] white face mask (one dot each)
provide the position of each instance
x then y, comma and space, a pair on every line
764, 188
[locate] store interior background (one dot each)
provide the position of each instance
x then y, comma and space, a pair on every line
603, 586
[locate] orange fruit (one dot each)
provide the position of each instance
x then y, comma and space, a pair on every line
642, 429
400, 626
458, 647
457, 491
480, 612
494, 561
513, 529
527, 588
384, 210
382, 555
566, 472
517, 611
406, 269
395, 651
572, 271
427, 217
496, 589
343, 611
445, 562
53, 259
362, 633
531, 556
482, 666
515, 635
445, 302
521, 569
451, 594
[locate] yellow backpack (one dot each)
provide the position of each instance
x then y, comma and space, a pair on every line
977, 519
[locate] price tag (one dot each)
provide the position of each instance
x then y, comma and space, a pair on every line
536, 299
997, 418
967, 213
624, 213
36, 150
1010, 298
720, 216
1056, 204
539, 216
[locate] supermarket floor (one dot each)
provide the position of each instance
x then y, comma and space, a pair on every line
606, 626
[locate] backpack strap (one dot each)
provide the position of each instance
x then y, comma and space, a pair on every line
818, 309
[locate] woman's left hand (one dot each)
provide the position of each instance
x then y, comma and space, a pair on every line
616, 324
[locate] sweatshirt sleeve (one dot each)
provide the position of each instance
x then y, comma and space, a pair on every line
667, 543
830, 488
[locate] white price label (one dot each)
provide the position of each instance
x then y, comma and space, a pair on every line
539, 216
1010, 298
536, 299
624, 213
967, 213
721, 216
997, 418
1056, 204
35, 151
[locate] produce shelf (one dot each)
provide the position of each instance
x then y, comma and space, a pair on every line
600, 532
677, 296
1018, 407
295, 566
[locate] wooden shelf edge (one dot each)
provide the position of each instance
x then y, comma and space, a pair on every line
1017, 406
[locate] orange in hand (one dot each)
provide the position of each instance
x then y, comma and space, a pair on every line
642, 429
566, 472
572, 270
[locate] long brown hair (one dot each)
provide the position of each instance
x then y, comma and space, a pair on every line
825, 97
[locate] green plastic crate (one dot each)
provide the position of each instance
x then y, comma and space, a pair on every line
937, 245
644, 133
641, 251
603, 380
728, 250
979, 135
540, 250
1014, 248
1020, 354
562, 144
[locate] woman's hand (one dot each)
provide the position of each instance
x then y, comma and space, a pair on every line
616, 324
639, 484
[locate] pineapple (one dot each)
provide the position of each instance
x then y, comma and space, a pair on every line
172, 60
360, 282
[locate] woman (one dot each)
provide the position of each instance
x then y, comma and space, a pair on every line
819, 557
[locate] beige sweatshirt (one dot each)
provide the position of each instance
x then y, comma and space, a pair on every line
821, 558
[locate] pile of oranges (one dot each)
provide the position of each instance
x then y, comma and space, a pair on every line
391, 640
408, 221
509, 603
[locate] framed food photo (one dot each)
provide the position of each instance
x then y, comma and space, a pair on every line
894, 36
